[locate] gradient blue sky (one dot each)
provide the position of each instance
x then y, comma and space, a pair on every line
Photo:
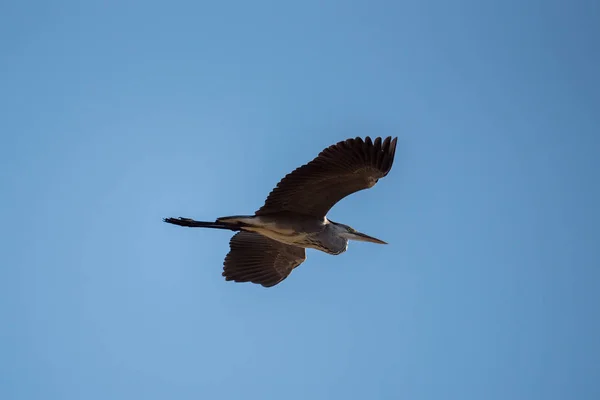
115, 114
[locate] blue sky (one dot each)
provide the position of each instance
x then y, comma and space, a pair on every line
116, 114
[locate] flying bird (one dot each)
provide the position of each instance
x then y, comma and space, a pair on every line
271, 243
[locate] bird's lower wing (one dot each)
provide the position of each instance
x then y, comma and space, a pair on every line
258, 259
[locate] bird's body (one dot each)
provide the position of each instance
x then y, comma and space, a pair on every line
296, 230
271, 243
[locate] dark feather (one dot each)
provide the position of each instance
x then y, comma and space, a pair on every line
338, 171
258, 259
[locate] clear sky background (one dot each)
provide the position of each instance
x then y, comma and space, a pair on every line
116, 114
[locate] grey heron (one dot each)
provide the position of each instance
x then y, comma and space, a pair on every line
271, 243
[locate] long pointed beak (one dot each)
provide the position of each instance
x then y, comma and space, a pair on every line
365, 238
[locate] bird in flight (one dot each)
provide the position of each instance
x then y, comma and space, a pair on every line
271, 243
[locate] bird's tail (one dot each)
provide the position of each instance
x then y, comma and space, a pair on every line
191, 223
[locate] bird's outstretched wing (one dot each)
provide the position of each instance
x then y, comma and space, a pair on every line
338, 171
258, 259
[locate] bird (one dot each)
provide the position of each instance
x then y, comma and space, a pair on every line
270, 244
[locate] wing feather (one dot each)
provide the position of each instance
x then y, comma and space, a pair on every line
338, 171
258, 259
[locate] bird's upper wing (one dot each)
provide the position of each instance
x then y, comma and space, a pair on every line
338, 171
258, 259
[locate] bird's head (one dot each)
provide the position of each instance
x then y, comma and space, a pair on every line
352, 234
